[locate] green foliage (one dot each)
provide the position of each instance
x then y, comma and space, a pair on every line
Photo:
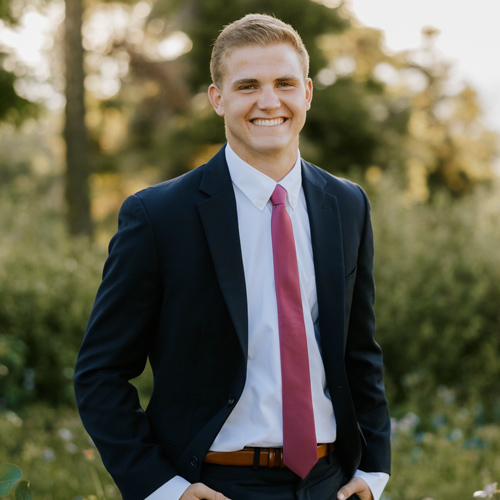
9, 475
180, 138
55, 452
366, 108
438, 290
5, 10
339, 130
23, 491
447, 455
47, 286
13, 108
307, 17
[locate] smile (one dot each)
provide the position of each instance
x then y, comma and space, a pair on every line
269, 123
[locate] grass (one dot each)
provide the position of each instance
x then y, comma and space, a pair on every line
447, 455
55, 454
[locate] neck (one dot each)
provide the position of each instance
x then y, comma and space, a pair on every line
276, 166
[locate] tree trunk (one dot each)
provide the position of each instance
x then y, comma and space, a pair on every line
75, 132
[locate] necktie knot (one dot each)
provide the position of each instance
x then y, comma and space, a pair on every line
279, 195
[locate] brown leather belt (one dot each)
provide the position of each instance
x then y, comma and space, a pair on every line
268, 457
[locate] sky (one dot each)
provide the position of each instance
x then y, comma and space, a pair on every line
469, 38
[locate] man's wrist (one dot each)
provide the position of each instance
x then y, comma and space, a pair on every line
171, 490
376, 481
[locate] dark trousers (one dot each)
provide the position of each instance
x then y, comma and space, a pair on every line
263, 483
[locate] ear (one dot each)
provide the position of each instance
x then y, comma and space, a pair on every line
309, 93
215, 96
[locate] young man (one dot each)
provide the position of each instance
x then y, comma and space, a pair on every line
248, 284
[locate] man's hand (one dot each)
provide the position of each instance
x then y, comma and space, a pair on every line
355, 486
199, 491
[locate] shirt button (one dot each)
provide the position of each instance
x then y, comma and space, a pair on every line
260, 204
294, 201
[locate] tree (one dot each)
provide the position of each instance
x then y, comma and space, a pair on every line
78, 155
372, 111
13, 108
194, 138
447, 144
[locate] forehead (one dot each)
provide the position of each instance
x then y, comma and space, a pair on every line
257, 61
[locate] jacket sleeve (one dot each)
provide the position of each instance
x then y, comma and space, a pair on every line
363, 359
115, 350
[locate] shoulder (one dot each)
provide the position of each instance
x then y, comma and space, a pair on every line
173, 190
349, 194
183, 193
175, 196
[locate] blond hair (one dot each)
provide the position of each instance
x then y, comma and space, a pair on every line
254, 29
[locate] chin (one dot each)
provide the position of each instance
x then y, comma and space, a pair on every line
272, 146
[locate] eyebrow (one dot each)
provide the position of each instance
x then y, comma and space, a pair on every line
288, 78
244, 81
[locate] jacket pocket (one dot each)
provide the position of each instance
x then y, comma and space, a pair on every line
361, 434
352, 273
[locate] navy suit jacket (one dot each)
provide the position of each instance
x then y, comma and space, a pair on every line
173, 290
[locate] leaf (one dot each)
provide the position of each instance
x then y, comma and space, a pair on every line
23, 491
9, 476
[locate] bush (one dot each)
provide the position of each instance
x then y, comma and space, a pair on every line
55, 453
47, 285
445, 455
437, 271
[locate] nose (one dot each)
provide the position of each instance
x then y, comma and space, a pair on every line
268, 99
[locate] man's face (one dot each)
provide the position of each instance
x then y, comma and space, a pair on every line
264, 99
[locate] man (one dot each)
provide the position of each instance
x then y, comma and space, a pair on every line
248, 284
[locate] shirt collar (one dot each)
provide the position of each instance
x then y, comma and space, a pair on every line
257, 186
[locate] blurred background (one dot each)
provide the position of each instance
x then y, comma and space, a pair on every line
99, 99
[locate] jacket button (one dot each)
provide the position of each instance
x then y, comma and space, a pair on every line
194, 461
231, 402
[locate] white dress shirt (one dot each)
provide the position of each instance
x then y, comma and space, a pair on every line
256, 419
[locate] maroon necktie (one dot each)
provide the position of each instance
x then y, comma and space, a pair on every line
300, 450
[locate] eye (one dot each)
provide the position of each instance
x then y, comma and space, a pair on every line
248, 87
284, 85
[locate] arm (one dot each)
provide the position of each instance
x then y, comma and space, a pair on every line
367, 485
115, 350
363, 360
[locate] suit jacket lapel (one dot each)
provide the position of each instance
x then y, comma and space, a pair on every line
220, 222
328, 255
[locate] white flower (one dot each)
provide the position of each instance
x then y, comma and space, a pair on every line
488, 492
65, 434
14, 419
491, 489
48, 454
71, 448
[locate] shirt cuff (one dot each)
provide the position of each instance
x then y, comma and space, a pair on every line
176, 487
171, 490
376, 481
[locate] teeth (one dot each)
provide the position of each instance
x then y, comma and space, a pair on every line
269, 123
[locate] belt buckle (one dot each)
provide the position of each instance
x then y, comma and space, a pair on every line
275, 458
